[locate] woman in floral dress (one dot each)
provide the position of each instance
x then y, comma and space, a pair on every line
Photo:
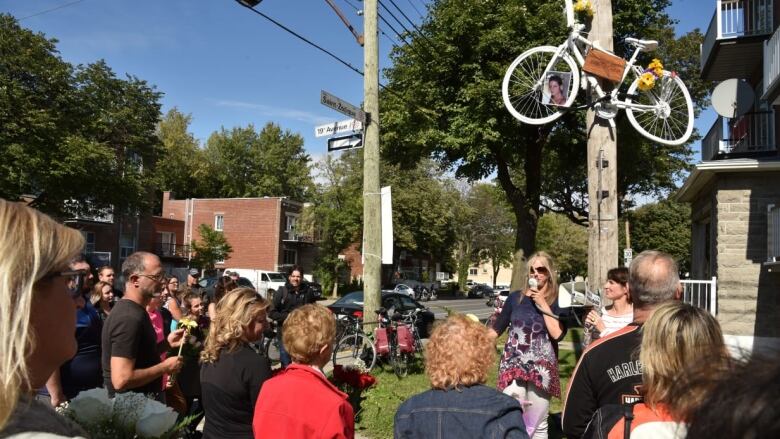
528, 370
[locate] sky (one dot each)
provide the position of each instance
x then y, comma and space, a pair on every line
227, 66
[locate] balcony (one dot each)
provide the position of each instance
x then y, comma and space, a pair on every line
772, 69
293, 236
750, 135
171, 250
734, 43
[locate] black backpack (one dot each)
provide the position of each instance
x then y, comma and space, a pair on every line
606, 417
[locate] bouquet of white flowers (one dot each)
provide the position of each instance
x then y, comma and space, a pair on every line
126, 416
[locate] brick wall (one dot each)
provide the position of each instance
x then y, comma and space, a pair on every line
748, 295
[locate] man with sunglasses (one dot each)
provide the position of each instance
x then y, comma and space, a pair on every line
131, 354
83, 371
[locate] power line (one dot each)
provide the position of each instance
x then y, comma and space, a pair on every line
427, 40
415, 9
403, 14
353, 5
394, 17
51, 10
302, 38
392, 28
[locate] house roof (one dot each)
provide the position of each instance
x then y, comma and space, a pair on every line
704, 172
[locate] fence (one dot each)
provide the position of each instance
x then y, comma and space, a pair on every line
701, 293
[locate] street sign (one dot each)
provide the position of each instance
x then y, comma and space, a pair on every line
338, 128
346, 142
628, 255
342, 106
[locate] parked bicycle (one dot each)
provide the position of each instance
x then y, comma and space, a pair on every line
354, 346
397, 340
662, 113
268, 345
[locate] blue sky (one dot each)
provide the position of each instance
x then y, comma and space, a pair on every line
228, 66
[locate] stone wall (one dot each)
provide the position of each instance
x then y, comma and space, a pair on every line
748, 295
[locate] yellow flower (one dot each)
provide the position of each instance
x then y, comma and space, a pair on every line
584, 7
188, 323
646, 81
656, 67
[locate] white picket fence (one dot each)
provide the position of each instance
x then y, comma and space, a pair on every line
701, 293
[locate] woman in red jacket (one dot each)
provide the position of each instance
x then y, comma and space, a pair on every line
300, 402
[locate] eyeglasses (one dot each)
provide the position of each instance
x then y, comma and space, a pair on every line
538, 270
75, 279
159, 277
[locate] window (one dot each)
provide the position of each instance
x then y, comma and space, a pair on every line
290, 257
89, 241
219, 222
473, 271
773, 233
126, 246
166, 243
290, 222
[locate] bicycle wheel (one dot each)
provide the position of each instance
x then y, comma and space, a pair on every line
664, 113
354, 348
523, 88
400, 362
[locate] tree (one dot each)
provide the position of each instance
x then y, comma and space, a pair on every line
213, 247
75, 140
664, 226
245, 163
566, 242
493, 226
181, 167
442, 100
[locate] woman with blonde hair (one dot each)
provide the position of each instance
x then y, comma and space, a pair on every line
102, 298
300, 402
232, 371
459, 404
528, 370
37, 315
677, 337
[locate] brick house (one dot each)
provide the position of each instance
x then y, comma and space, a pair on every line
110, 239
261, 231
735, 190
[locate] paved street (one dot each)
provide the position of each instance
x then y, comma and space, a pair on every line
464, 306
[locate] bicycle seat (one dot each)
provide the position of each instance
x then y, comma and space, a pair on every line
643, 45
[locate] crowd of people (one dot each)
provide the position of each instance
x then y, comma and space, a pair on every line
665, 372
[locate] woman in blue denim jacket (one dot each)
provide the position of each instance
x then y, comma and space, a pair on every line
459, 405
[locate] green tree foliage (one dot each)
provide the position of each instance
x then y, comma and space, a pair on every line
492, 226
78, 140
566, 242
443, 100
181, 166
244, 163
212, 247
665, 226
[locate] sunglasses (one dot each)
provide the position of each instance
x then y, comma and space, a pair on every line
538, 270
75, 279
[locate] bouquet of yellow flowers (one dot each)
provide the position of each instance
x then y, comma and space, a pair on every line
654, 71
583, 9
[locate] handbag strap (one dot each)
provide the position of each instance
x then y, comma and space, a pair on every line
628, 414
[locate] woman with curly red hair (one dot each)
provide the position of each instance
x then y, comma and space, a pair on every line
459, 404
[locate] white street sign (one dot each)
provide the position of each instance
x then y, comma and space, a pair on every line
346, 142
386, 209
342, 106
338, 128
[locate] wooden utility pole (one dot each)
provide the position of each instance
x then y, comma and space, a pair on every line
602, 169
372, 221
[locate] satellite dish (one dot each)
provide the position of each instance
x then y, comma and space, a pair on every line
733, 98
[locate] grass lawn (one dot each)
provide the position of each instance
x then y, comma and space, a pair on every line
375, 419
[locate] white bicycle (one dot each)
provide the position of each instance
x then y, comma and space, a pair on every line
664, 113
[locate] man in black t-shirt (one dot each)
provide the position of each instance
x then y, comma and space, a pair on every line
609, 372
131, 354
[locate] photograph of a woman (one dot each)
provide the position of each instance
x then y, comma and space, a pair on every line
556, 89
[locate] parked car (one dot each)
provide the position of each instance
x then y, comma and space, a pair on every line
208, 284
480, 290
390, 301
404, 289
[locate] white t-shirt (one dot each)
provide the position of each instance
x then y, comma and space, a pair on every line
613, 323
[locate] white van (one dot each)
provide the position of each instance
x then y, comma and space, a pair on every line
266, 282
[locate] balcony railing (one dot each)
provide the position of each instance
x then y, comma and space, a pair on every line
771, 61
753, 132
171, 250
292, 235
736, 19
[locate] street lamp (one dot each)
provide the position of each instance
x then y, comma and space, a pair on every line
249, 3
